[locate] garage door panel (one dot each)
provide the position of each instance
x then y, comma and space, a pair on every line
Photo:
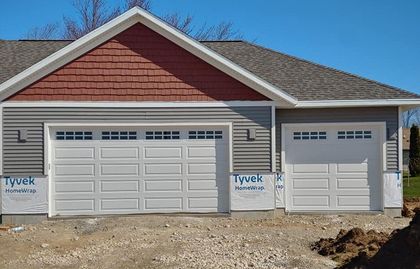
201, 168
310, 168
74, 170
119, 185
162, 169
74, 153
163, 185
119, 204
349, 201
310, 183
119, 153
352, 183
76, 205
75, 186
352, 167
201, 152
174, 203
119, 170
311, 201
162, 152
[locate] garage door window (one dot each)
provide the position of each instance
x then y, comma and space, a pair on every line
73, 135
202, 134
119, 135
365, 134
159, 135
310, 135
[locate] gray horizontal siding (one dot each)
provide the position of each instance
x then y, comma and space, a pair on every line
387, 114
27, 158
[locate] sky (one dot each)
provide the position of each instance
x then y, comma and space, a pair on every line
376, 39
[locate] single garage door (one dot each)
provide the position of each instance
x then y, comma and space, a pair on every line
333, 167
138, 170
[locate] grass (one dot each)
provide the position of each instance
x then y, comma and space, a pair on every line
414, 189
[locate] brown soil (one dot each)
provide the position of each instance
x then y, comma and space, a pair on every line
409, 205
355, 249
348, 244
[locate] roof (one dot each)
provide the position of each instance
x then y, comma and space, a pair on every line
16, 56
275, 74
303, 79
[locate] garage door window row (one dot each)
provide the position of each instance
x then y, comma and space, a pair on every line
165, 135
119, 135
354, 134
205, 135
310, 135
134, 135
70, 135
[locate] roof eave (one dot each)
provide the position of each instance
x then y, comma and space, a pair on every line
358, 103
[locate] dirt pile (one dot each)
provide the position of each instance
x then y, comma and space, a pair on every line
348, 244
409, 205
356, 249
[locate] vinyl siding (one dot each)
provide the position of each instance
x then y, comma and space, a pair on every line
28, 158
386, 114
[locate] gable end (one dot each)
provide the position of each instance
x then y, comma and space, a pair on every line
137, 65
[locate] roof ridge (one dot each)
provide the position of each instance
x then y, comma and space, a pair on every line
331, 68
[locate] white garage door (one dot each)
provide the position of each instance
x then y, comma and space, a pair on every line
147, 170
333, 167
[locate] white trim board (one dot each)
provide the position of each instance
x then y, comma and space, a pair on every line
137, 104
357, 103
121, 23
273, 139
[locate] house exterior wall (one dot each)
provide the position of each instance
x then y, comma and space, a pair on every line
327, 115
28, 158
137, 65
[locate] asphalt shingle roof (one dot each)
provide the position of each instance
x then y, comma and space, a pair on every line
16, 56
302, 79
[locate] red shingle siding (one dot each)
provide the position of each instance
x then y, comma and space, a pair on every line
138, 65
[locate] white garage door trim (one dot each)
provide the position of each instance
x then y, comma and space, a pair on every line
48, 126
382, 140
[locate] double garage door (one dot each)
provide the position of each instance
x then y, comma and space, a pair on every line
333, 167
138, 170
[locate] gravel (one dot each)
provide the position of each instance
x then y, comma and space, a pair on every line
180, 241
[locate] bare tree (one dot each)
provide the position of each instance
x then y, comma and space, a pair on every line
184, 24
46, 32
410, 116
94, 13
144, 4
221, 31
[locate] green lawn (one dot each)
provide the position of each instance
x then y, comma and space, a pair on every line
414, 189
